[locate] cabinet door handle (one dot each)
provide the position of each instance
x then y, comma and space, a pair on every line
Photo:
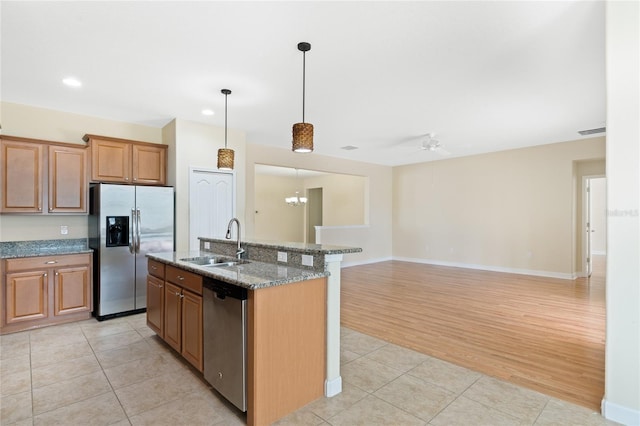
178, 294
181, 278
51, 262
160, 286
182, 296
154, 267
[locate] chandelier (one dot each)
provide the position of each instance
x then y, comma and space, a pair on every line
296, 200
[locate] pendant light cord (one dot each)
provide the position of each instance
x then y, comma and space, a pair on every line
303, 81
225, 120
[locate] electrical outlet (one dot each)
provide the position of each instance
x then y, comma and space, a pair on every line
282, 256
64, 230
307, 260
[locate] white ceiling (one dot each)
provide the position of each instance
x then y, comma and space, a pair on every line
483, 76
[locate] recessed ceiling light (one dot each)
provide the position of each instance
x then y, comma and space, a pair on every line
349, 147
72, 82
207, 112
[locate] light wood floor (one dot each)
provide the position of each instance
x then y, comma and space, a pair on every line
541, 333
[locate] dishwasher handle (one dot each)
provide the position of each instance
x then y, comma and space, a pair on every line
223, 290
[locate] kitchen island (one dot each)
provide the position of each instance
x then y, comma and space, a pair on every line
293, 320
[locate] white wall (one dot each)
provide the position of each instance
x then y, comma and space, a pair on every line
506, 211
621, 402
41, 123
195, 144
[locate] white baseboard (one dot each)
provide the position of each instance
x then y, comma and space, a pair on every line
618, 413
365, 262
332, 387
533, 272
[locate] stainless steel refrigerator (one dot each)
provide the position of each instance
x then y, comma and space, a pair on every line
125, 223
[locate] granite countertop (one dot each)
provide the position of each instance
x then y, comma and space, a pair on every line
251, 275
18, 249
306, 248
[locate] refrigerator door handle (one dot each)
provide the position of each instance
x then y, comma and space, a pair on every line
138, 231
132, 239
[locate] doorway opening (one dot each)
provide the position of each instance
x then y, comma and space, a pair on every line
314, 213
594, 225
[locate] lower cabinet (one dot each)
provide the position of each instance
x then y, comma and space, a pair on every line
40, 291
155, 304
174, 311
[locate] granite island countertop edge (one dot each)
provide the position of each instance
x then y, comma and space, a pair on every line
253, 275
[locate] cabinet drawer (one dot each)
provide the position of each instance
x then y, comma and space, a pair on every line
40, 262
184, 279
156, 268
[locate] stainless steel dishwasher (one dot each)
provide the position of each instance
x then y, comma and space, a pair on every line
225, 340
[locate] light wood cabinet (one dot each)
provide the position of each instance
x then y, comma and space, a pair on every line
155, 297
173, 316
192, 332
67, 179
46, 290
24, 178
126, 161
27, 296
181, 319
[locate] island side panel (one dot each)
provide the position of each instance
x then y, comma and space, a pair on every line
286, 349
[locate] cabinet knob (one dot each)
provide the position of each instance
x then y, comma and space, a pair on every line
56, 274
182, 296
44, 275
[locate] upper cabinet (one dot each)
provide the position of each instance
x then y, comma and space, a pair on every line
67, 179
24, 179
125, 161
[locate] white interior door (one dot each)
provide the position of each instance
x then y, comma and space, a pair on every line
211, 204
588, 229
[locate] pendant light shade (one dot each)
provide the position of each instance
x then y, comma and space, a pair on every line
225, 155
303, 132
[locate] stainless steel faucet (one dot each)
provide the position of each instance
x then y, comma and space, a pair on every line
239, 250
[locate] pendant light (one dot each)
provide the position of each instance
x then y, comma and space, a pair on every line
225, 155
303, 132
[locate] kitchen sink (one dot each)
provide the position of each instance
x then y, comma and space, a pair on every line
213, 261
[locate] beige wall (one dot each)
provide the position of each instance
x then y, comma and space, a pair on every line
196, 145
375, 238
40, 123
343, 203
274, 219
343, 198
510, 210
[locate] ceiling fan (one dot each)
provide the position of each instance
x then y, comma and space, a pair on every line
430, 143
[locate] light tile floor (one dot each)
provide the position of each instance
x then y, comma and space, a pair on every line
117, 372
